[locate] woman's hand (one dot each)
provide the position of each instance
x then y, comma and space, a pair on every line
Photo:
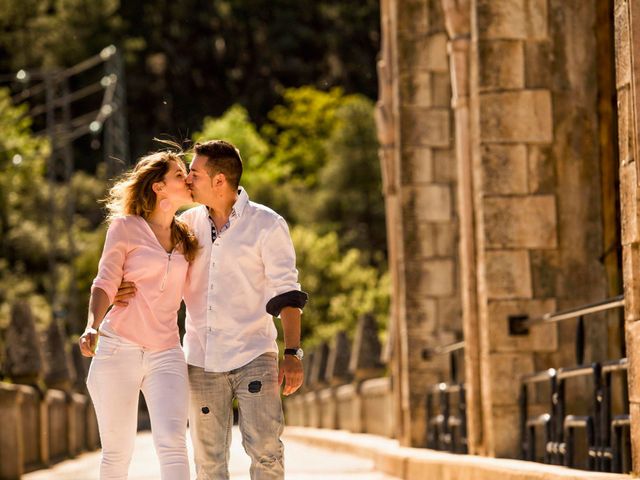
88, 341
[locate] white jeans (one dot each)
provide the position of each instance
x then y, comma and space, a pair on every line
118, 372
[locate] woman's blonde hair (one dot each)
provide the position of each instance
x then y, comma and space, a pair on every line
133, 195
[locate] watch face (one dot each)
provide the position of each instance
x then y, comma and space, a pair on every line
300, 354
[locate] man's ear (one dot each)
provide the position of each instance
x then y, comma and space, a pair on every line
219, 179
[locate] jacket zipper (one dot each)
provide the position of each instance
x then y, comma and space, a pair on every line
166, 273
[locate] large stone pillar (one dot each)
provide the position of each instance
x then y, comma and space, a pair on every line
418, 163
627, 43
536, 183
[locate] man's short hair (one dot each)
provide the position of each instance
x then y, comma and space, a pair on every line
222, 157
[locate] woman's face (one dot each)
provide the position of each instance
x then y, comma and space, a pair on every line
175, 187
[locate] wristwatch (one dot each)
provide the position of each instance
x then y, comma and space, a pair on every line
296, 352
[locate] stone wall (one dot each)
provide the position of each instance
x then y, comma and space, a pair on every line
627, 55
40, 430
493, 133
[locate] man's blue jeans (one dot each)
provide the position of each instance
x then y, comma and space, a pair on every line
260, 418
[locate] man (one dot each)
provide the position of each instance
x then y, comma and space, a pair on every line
244, 274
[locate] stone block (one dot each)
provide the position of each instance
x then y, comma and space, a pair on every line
506, 438
629, 224
625, 125
413, 19
545, 272
631, 281
504, 169
425, 52
634, 411
520, 116
520, 222
430, 203
450, 314
541, 170
419, 240
327, 402
428, 127
12, 439
415, 88
424, 318
501, 64
445, 239
349, 408
444, 165
377, 406
541, 338
58, 438
31, 421
512, 19
538, 62
508, 274
417, 166
632, 337
435, 278
441, 89
436, 16
312, 409
622, 44
505, 371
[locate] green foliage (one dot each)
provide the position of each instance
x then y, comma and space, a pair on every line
298, 130
341, 286
29, 207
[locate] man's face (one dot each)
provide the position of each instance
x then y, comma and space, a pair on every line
199, 181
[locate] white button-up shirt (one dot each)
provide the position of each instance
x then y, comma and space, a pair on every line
230, 282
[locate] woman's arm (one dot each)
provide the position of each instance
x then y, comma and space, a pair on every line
98, 306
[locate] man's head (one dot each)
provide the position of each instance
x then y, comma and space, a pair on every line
215, 171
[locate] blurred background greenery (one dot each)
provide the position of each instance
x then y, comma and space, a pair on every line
291, 83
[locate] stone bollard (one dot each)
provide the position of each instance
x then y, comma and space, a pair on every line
318, 368
337, 371
56, 436
58, 366
365, 357
81, 367
12, 438
22, 348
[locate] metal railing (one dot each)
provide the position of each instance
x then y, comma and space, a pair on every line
605, 437
446, 406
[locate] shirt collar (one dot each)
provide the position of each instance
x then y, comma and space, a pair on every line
241, 201
238, 206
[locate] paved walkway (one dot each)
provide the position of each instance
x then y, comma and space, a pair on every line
302, 462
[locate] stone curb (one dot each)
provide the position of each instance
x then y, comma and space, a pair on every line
417, 463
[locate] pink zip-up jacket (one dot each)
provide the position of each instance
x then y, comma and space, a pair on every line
132, 252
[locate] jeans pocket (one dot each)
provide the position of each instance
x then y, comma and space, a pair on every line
107, 347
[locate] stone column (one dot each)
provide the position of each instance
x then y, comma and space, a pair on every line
415, 132
627, 43
536, 189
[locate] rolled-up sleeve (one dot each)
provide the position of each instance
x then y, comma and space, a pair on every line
111, 266
279, 259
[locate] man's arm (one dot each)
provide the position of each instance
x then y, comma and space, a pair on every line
291, 366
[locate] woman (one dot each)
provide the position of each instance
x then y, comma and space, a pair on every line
139, 346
